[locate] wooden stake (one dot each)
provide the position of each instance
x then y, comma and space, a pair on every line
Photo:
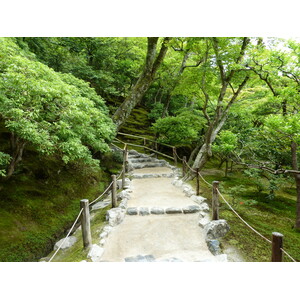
114, 191
85, 223
183, 166
215, 200
197, 182
277, 242
125, 157
123, 175
174, 156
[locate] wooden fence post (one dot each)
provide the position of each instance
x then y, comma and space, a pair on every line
277, 242
174, 156
123, 175
215, 200
144, 142
183, 166
197, 182
85, 223
125, 157
114, 191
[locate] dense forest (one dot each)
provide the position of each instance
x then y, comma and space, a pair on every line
231, 105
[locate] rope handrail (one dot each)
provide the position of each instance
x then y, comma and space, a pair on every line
144, 138
106, 190
252, 227
181, 159
145, 147
66, 236
117, 147
190, 168
244, 220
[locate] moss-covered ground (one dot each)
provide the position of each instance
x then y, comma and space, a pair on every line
264, 214
41, 201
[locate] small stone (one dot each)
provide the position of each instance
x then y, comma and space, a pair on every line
204, 207
107, 229
191, 209
123, 204
115, 216
172, 259
143, 211
102, 242
70, 241
157, 211
103, 235
216, 229
95, 253
140, 258
198, 199
132, 211
203, 221
214, 246
173, 210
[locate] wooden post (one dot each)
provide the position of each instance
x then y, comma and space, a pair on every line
85, 223
174, 156
114, 191
125, 157
144, 142
197, 182
277, 242
155, 148
183, 166
123, 175
215, 200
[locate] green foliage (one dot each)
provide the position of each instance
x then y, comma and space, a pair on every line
179, 130
4, 160
56, 113
226, 142
156, 111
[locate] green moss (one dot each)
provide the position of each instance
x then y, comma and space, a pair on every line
41, 201
266, 216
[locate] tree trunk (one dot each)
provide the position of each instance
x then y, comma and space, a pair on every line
17, 147
152, 63
297, 181
226, 167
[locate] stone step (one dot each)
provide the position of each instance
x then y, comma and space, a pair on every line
144, 211
146, 165
140, 160
151, 175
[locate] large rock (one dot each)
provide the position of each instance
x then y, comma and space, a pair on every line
216, 229
95, 253
115, 216
70, 241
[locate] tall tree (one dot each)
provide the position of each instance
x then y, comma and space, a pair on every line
223, 66
154, 59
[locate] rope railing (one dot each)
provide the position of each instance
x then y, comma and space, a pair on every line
99, 197
63, 242
247, 224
